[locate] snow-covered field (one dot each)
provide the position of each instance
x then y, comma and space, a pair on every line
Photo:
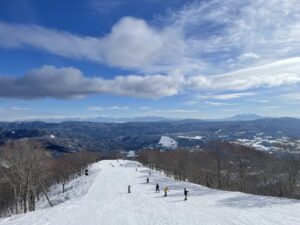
167, 142
283, 144
108, 203
191, 137
76, 188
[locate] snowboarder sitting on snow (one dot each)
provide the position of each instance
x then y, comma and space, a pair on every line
157, 188
147, 180
129, 189
185, 194
166, 189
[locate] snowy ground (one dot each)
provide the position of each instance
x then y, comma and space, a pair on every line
76, 188
108, 203
167, 142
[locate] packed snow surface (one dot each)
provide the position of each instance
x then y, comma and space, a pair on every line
108, 203
167, 142
191, 137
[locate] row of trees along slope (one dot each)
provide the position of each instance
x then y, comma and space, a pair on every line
230, 167
27, 171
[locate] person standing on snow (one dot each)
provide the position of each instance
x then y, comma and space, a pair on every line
185, 194
147, 180
166, 189
157, 188
129, 189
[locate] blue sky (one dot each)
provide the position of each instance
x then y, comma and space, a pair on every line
131, 58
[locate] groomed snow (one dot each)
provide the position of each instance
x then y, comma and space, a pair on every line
191, 137
167, 142
108, 203
52, 136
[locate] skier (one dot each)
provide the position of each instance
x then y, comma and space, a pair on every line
147, 180
129, 189
157, 188
185, 194
166, 189
86, 172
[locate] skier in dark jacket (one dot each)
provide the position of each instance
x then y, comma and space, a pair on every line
129, 189
185, 194
157, 188
147, 180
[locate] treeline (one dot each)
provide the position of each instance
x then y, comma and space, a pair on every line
230, 167
27, 171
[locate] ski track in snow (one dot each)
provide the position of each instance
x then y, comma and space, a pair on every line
108, 203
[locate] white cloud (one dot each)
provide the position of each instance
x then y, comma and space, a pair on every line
116, 107
234, 30
215, 103
208, 46
53, 41
279, 73
100, 108
217, 35
132, 43
68, 82
248, 56
152, 86
226, 96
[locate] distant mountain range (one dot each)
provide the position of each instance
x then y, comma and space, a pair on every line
244, 117
102, 119
135, 135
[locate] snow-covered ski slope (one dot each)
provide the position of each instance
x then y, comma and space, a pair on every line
108, 203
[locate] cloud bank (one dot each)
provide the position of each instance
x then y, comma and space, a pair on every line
207, 46
68, 82
49, 81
